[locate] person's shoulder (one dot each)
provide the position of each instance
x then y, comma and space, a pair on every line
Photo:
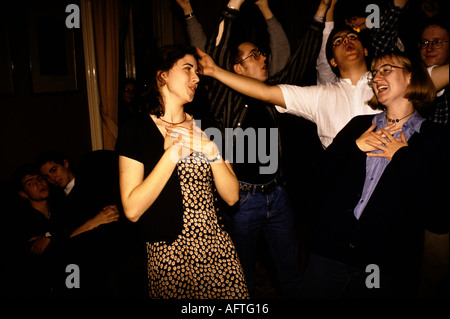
140, 117
364, 120
135, 121
432, 128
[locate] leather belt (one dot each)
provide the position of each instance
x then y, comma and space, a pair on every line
259, 188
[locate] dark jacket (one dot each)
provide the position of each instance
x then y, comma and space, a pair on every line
408, 198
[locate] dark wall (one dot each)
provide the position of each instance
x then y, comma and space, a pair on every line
31, 123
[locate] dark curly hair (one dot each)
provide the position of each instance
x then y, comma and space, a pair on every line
165, 59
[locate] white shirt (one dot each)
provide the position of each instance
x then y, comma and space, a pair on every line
330, 106
69, 187
430, 69
324, 72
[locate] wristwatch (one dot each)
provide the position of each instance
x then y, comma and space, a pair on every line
215, 158
48, 235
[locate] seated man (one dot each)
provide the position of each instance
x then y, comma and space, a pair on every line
36, 236
56, 169
93, 204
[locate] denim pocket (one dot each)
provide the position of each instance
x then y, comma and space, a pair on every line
243, 197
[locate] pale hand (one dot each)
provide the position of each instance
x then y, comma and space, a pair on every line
367, 136
387, 144
108, 215
191, 139
206, 64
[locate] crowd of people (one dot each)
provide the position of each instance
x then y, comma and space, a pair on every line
173, 213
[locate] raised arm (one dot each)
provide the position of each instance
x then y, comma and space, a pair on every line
306, 50
280, 49
218, 44
242, 84
385, 38
197, 37
440, 76
324, 72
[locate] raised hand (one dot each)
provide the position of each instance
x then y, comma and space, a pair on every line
357, 23
323, 7
206, 65
185, 6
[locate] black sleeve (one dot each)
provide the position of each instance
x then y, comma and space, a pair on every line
303, 58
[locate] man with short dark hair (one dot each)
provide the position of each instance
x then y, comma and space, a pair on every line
92, 207
37, 232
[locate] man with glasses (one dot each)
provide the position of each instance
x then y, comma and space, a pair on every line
434, 50
264, 205
330, 106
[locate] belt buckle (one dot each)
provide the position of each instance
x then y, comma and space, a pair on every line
263, 189
245, 187
269, 187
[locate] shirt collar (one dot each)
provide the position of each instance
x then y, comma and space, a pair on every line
412, 125
69, 187
361, 82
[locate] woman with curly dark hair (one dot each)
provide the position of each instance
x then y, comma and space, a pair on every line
168, 171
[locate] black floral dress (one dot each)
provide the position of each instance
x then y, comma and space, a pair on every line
202, 261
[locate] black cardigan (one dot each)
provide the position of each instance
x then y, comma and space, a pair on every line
141, 140
409, 197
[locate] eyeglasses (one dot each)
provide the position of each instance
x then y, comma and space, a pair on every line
337, 41
436, 44
256, 55
384, 70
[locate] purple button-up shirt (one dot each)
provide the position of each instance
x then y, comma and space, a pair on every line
375, 165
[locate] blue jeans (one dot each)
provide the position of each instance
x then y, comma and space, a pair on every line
271, 213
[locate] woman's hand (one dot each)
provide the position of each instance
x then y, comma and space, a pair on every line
387, 143
371, 136
190, 139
